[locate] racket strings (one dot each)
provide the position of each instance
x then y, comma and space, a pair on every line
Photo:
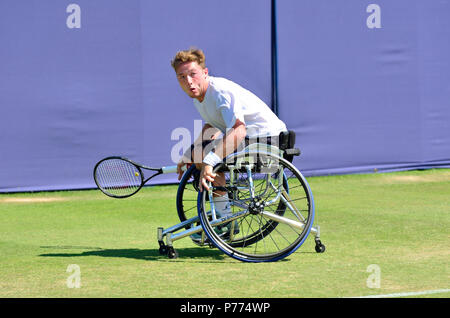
118, 177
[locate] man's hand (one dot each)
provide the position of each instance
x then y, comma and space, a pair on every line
180, 166
206, 174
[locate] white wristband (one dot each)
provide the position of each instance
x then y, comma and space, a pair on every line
212, 159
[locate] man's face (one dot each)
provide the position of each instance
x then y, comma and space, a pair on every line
193, 79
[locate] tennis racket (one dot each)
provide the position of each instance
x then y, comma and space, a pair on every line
120, 177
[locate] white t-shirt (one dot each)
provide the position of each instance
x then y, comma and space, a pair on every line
226, 101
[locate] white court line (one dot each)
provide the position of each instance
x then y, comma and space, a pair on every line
426, 292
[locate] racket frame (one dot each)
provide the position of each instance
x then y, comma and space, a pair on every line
139, 167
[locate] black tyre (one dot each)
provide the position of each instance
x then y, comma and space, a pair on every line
187, 194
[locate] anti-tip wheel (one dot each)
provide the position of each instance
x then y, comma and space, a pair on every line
171, 253
163, 250
320, 248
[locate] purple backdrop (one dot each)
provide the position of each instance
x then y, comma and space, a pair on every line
363, 89
235, 36
67, 96
72, 95
366, 88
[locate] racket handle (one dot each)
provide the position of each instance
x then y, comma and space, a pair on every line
171, 169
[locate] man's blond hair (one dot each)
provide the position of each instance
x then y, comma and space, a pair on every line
191, 55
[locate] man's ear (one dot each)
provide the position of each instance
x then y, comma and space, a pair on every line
205, 71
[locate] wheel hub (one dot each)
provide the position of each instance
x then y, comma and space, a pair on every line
256, 207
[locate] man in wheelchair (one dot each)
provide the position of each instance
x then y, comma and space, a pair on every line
228, 109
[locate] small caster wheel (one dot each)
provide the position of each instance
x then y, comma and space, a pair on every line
171, 253
163, 250
320, 248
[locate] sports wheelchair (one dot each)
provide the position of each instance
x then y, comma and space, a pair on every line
272, 206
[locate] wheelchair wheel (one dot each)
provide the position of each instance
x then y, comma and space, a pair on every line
187, 194
272, 208
266, 225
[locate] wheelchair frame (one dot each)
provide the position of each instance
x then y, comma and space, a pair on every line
167, 236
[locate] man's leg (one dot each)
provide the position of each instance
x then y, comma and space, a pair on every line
221, 200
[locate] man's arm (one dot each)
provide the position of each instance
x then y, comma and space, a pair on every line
208, 133
231, 140
226, 146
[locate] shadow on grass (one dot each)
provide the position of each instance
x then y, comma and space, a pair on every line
197, 253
